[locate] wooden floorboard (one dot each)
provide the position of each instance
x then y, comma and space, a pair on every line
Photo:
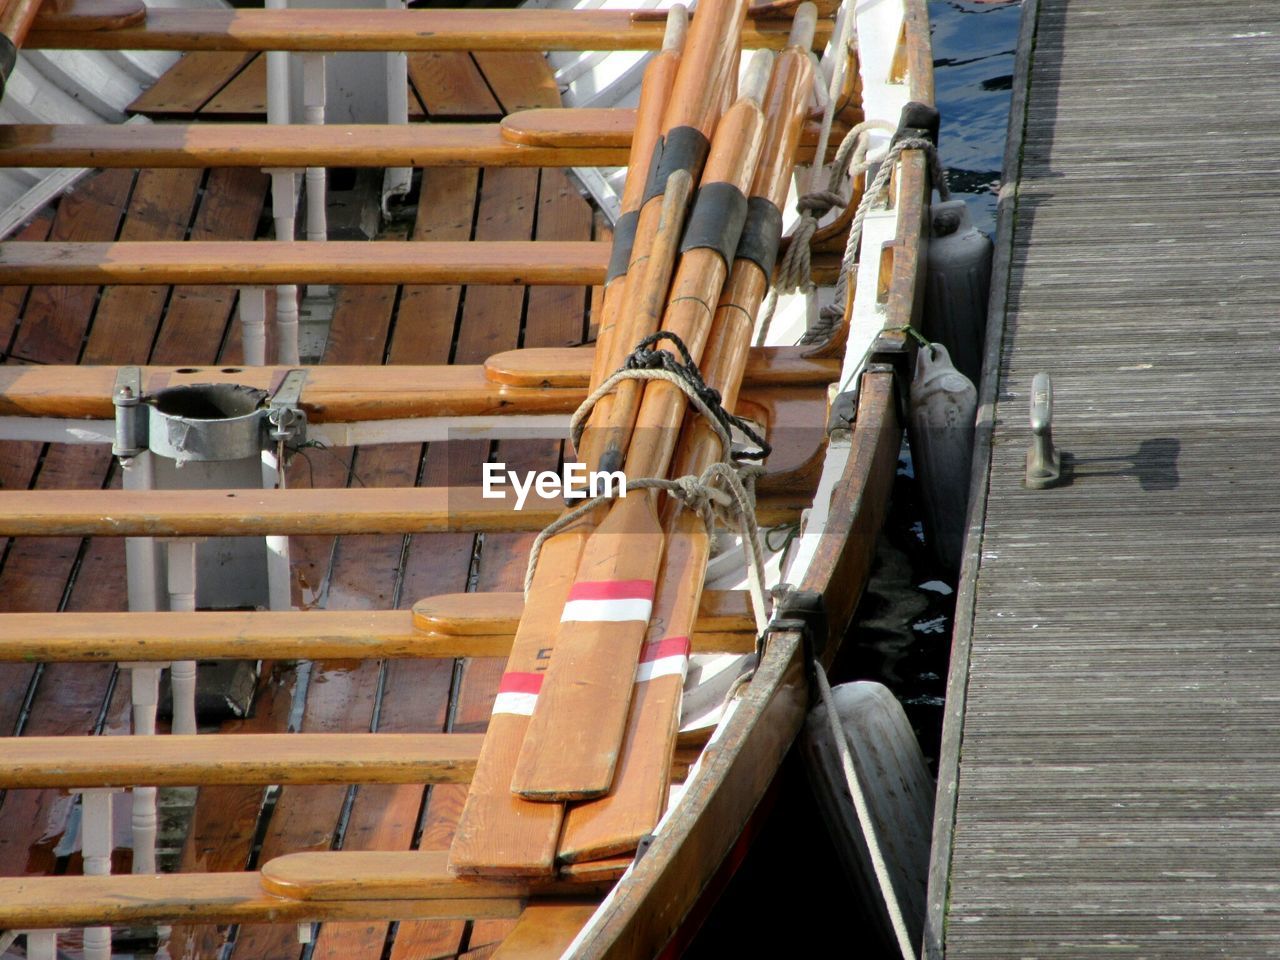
1110, 765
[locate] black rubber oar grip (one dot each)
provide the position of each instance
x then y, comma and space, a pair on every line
761, 234
719, 213
683, 148
624, 239
8, 60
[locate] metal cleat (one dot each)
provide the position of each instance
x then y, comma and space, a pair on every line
1044, 465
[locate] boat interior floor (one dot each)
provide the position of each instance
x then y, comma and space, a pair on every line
235, 827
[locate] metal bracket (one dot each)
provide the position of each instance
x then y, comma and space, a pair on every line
1044, 465
131, 416
643, 846
286, 419
803, 612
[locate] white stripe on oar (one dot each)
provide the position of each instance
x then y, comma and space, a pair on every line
612, 601
668, 657
517, 693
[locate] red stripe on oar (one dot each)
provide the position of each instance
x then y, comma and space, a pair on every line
520, 683
667, 647
612, 590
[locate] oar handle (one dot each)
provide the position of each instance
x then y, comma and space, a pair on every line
16, 17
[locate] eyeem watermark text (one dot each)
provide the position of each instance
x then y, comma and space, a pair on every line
574, 482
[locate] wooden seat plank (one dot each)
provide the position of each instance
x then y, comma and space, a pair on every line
190, 83
605, 128
342, 394
395, 875
283, 145
338, 261
481, 614
199, 513
534, 367
579, 137
91, 14
76, 901
170, 761
451, 625
381, 30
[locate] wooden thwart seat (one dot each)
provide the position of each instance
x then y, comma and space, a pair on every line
510, 382
538, 138
284, 758
200, 513
300, 887
446, 626
381, 30
253, 263
257, 513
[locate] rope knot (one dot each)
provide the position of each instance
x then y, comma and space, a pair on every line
821, 202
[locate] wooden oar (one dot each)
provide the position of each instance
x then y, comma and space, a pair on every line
592, 670
498, 833
707, 67
655, 93
616, 823
16, 17
702, 269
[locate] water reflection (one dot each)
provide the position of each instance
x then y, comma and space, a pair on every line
973, 51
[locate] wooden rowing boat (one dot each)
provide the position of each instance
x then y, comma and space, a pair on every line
435, 762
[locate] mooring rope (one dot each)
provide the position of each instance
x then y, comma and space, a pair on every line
795, 272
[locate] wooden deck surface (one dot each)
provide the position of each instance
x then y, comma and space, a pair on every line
1111, 772
232, 828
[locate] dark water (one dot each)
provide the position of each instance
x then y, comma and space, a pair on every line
789, 898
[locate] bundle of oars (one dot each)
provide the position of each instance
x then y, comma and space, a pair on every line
576, 763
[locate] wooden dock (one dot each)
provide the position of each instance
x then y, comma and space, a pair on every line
1110, 781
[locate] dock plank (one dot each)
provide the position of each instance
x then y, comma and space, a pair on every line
1109, 768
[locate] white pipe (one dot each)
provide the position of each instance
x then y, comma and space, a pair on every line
279, 583
283, 207
182, 596
313, 95
141, 566
146, 693
96, 842
283, 198
396, 181
140, 559
42, 945
253, 325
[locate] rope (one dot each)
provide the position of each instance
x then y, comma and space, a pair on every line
881, 869
644, 363
794, 270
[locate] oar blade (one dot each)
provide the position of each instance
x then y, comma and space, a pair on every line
571, 748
